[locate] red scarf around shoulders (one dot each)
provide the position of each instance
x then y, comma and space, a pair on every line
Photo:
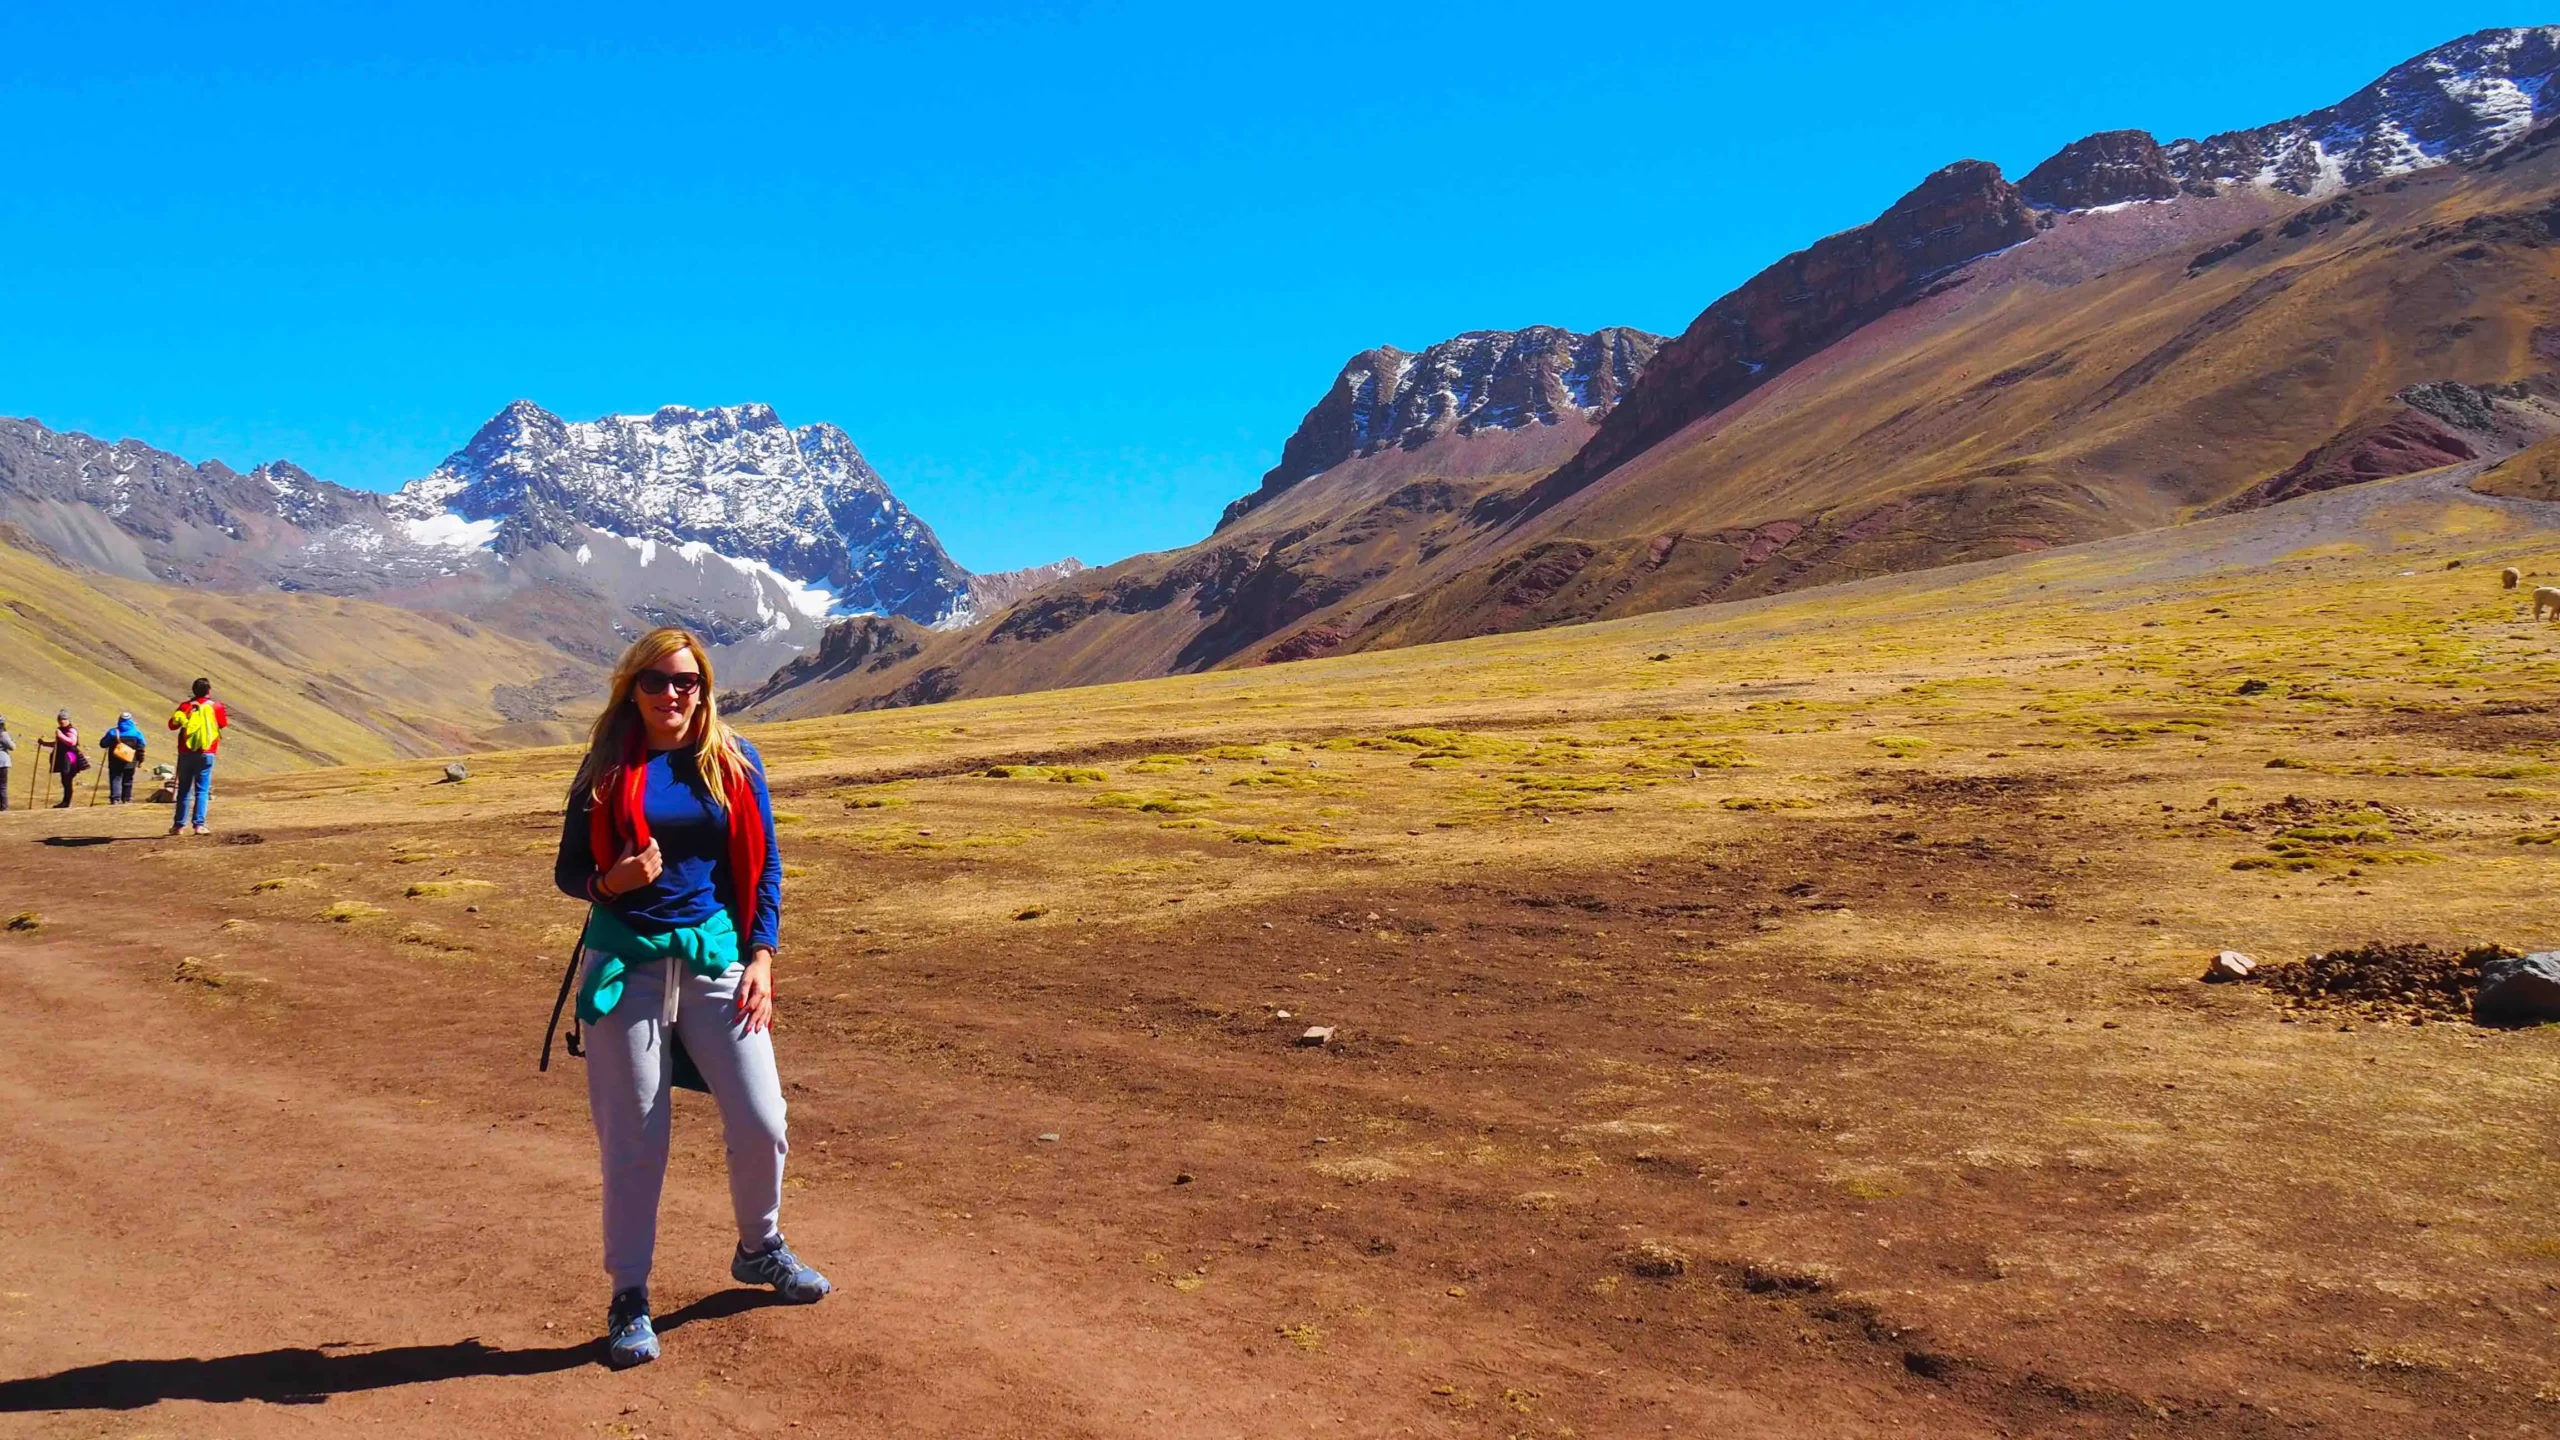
620, 824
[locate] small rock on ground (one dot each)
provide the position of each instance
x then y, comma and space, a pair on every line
2229, 965
2518, 990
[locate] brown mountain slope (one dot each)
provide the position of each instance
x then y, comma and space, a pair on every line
310, 679
1453, 536
2531, 474
2026, 406
1344, 523
1799, 306
1967, 376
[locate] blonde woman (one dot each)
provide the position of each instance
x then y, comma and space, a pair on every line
669, 838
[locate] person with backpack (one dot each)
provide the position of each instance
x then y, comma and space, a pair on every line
668, 837
68, 762
8, 758
124, 745
199, 721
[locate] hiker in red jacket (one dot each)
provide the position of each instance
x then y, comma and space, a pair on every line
199, 723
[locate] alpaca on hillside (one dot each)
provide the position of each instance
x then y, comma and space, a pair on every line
2511, 577
2544, 595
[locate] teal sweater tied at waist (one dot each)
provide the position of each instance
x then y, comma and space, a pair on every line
709, 948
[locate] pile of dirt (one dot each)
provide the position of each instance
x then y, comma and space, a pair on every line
2410, 980
2297, 810
1956, 791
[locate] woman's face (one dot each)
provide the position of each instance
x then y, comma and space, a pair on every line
666, 694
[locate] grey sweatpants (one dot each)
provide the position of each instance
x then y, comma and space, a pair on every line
627, 1093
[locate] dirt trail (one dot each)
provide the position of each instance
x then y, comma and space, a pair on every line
426, 1257
300, 1218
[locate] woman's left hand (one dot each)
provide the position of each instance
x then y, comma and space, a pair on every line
755, 992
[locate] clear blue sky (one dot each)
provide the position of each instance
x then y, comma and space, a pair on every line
1069, 274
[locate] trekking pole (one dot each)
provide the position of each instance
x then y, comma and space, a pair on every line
93, 784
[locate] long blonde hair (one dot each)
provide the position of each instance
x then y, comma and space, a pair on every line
716, 756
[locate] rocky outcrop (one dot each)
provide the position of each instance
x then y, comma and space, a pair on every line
862, 643
994, 593
1798, 306
2400, 441
2108, 168
1207, 577
1482, 380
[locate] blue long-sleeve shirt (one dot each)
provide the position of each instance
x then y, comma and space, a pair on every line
693, 839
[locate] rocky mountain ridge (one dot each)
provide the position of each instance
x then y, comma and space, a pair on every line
1481, 380
1984, 369
572, 534
2456, 103
1800, 305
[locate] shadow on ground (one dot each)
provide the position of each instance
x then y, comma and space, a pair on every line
311, 1376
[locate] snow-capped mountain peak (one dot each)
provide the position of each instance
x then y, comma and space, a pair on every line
2458, 102
733, 478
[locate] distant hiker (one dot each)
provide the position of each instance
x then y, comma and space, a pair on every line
669, 838
8, 757
199, 722
68, 762
123, 745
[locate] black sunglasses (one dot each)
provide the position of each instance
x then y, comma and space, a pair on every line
659, 682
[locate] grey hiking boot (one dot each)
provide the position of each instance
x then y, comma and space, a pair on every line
629, 1338
782, 1270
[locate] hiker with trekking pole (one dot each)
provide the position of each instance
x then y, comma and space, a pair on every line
669, 839
68, 762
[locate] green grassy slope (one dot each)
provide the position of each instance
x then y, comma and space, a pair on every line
311, 680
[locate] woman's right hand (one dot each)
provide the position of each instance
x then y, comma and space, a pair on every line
635, 869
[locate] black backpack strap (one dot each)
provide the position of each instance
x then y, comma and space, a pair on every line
568, 977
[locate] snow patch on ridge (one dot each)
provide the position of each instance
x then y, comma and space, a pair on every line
451, 531
778, 596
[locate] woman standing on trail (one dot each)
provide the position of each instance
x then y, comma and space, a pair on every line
68, 762
669, 837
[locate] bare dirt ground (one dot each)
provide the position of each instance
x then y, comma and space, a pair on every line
1775, 1020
